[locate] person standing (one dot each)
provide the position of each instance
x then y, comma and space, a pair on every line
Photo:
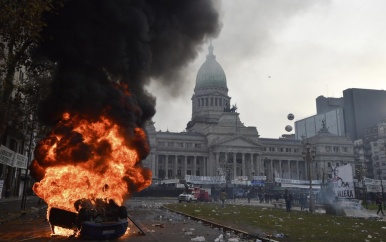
379, 202
223, 197
288, 200
302, 201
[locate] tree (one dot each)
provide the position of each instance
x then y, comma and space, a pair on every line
21, 22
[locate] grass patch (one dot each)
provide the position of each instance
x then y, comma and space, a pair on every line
295, 225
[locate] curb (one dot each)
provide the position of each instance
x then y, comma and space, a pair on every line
225, 228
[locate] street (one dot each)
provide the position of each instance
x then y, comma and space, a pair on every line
157, 224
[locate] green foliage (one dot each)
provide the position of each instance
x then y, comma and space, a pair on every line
296, 225
21, 22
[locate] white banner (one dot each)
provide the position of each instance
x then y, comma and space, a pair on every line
343, 181
20, 161
242, 178
260, 178
241, 182
369, 181
300, 186
292, 181
352, 203
373, 188
205, 179
6, 156
1, 187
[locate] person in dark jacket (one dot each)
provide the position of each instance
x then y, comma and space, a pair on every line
288, 200
379, 202
223, 197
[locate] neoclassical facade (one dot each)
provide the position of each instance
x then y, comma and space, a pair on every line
216, 142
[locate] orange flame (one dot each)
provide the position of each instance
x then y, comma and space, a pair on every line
89, 159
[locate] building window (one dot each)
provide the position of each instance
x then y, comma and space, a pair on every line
220, 102
211, 102
215, 102
336, 148
288, 149
161, 144
198, 102
206, 101
197, 146
170, 144
328, 148
328, 164
344, 149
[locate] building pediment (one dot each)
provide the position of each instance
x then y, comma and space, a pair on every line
237, 141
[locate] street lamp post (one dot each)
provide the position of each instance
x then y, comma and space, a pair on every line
379, 171
309, 156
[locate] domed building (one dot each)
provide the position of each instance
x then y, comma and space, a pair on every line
217, 144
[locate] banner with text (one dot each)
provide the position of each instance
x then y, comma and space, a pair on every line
205, 179
20, 161
342, 180
6, 156
292, 181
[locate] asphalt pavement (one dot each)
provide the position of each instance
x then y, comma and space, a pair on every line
149, 221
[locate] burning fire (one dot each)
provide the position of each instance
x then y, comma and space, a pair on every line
89, 159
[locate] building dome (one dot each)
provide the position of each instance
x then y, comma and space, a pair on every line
211, 73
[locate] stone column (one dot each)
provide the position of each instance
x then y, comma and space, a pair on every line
297, 169
167, 167
156, 162
175, 166
185, 165
234, 166
306, 169
289, 170
244, 173
217, 165
204, 166
280, 169
152, 162
194, 165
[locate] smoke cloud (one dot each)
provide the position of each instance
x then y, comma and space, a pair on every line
102, 48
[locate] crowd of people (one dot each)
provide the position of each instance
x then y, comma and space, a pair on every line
291, 198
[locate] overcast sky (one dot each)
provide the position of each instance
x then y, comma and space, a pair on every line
280, 55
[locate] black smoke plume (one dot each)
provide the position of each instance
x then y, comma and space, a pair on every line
102, 46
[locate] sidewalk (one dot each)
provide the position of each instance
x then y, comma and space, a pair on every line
10, 208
